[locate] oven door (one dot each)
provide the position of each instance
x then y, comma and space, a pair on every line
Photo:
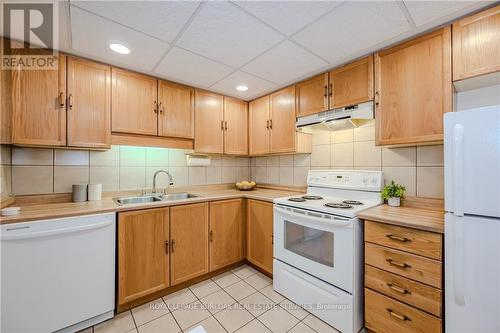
319, 244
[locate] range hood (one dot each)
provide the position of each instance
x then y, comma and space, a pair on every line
337, 119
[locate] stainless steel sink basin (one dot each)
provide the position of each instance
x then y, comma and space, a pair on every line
178, 196
148, 198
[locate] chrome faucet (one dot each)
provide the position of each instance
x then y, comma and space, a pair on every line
170, 183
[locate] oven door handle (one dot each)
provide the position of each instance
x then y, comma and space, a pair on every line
317, 221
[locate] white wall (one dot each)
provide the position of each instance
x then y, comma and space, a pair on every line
476, 98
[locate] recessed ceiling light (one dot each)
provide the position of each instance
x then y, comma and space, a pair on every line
119, 48
242, 88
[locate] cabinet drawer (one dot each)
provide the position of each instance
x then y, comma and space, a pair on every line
424, 243
408, 291
383, 314
408, 265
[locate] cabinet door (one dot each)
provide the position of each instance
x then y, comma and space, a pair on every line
134, 108
176, 110
312, 95
188, 242
208, 130
235, 126
143, 261
5, 107
283, 121
476, 44
352, 84
89, 104
260, 234
226, 233
259, 133
38, 106
410, 102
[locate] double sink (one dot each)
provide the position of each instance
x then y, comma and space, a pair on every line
153, 197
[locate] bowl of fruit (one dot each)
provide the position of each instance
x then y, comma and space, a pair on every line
245, 185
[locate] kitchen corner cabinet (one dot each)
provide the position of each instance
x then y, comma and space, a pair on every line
209, 123
235, 126
89, 104
476, 44
39, 106
188, 242
143, 259
260, 234
413, 90
312, 95
134, 103
226, 233
175, 110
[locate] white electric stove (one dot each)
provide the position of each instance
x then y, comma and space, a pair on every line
318, 245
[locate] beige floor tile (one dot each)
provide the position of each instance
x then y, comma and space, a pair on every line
254, 326
278, 320
122, 322
209, 325
271, 294
190, 314
244, 271
226, 279
164, 324
217, 301
318, 325
301, 328
294, 309
179, 299
204, 288
240, 290
257, 304
258, 281
234, 318
149, 311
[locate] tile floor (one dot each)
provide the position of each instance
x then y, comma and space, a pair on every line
241, 301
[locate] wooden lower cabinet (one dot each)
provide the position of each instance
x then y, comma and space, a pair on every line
226, 233
260, 234
143, 260
188, 242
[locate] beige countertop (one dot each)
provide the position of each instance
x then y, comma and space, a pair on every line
41, 211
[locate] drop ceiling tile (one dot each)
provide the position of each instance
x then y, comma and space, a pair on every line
424, 12
161, 19
256, 86
284, 63
184, 66
352, 27
288, 16
92, 34
223, 32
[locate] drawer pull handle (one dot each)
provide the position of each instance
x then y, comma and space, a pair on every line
398, 264
398, 316
398, 289
399, 238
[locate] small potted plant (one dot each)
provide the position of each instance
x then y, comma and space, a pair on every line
393, 193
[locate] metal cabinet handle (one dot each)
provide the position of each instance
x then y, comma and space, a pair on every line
398, 238
272, 238
398, 316
222, 125
225, 125
155, 107
172, 244
61, 100
160, 107
270, 124
398, 289
211, 236
326, 91
166, 247
330, 92
70, 101
376, 99
267, 124
398, 264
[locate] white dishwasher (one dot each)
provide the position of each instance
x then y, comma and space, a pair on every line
57, 275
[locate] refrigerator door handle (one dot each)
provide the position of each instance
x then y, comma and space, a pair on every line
458, 260
458, 170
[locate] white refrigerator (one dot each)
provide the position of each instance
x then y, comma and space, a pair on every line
472, 221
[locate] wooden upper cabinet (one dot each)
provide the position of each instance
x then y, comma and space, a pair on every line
89, 104
176, 110
260, 234
235, 126
312, 95
258, 127
226, 233
188, 242
5, 107
352, 84
282, 121
143, 260
134, 103
476, 44
38, 106
413, 89
209, 126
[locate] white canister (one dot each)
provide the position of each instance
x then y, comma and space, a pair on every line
395, 202
95, 192
79, 192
